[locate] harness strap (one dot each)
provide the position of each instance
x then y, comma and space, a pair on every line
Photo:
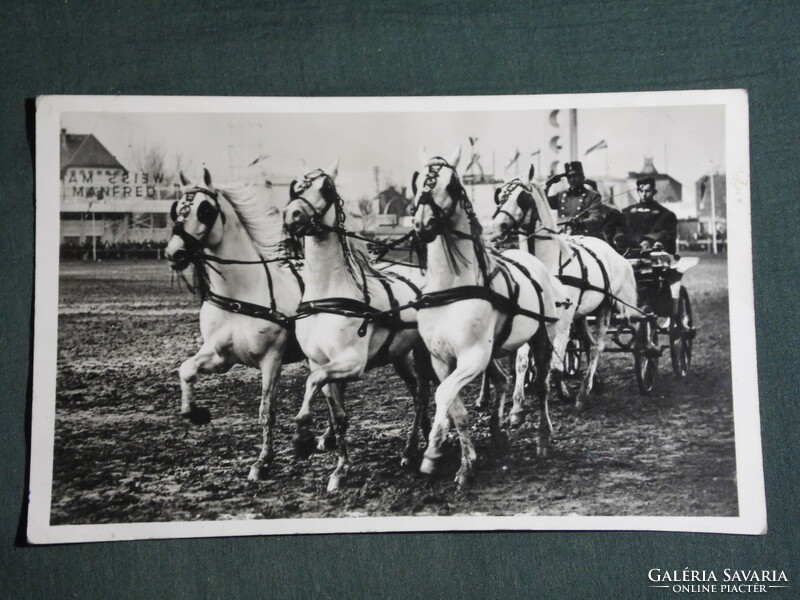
272, 303
240, 307
603, 271
349, 307
477, 292
536, 286
383, 351
582, 282
513, 296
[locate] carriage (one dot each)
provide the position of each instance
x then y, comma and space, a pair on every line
663, 322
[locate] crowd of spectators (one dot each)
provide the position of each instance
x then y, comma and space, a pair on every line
146, 249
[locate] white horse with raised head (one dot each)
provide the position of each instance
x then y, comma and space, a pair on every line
345, 325
477, 305
599, 281
233, 235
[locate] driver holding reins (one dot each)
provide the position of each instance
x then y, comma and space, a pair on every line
581, 210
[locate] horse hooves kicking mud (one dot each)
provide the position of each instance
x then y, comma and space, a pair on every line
258, 473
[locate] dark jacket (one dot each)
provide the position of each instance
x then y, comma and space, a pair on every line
587, 214
652, 222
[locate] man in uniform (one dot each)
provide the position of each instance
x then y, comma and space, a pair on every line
581, 209
648, 222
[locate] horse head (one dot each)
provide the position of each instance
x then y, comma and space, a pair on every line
517, 212
310, 200
197, 218
436, 200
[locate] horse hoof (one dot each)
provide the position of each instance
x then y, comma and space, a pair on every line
304, 445
199, 415
333, 484
516, 419
543, 451
599, 386
428, 466
579, 407
258, 473
464, 481
326, 444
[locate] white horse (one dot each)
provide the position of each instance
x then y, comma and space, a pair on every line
233, 235
599, 281
476, 305
343, 325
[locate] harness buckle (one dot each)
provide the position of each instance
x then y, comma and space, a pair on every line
236, 307
362, 331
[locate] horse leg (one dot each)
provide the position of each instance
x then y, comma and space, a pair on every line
561, 335
596, 343
419, 388
342, 368
484, 396
327, 441
207, 360
497, 418
542, 357
468, 366
340, 423
519, 410
270, 375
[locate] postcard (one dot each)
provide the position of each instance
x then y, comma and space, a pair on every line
262, 316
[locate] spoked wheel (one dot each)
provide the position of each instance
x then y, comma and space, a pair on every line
645, 355
572, 358
681, 334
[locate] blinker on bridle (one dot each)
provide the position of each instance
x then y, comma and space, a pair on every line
297, 188
207, 214
454, 189
524, 201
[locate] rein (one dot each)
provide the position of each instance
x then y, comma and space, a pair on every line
194, 247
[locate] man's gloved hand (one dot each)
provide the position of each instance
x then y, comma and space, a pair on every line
658, 246
645, 245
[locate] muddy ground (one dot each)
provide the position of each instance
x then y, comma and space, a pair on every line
123, 454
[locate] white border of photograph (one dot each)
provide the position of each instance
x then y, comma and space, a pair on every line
749, 467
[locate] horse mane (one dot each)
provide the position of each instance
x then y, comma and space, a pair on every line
359, 256
546, 217
354, 251
260, 216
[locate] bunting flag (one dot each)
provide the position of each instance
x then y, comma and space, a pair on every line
601, 145
258, 160
513, 157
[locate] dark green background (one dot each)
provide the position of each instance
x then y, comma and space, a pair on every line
405, 48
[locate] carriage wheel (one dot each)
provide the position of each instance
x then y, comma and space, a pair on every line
681, 335
645, 355
572, 358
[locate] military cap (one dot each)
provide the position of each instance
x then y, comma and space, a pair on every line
574, 167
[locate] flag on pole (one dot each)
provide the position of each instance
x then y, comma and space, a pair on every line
598, 146
513, 157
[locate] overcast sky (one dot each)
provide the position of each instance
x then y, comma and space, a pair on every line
683, 141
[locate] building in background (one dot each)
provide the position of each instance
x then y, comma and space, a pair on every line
103, 202
668, 189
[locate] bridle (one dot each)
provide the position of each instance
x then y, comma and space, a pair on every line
207, 214
524, 201
329, 195
454, 188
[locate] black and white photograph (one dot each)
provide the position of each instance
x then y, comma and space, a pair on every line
260, 316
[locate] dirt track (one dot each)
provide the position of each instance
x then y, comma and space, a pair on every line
123, 454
